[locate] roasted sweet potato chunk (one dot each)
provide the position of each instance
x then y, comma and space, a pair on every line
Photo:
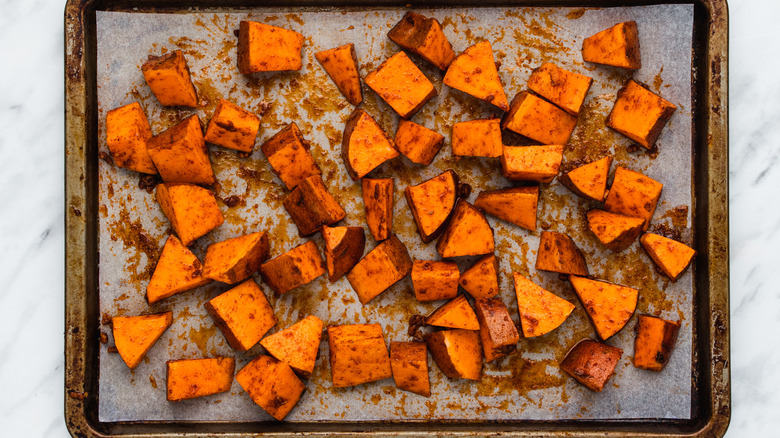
192, 210
468, 233
515, 205
640, 114
609, 306
381, 268
477, 138
616, 231
288, 153
297, 345
458, 353
168, 76
424, 37
134, 336
481, 280
456, 313
531, 163
242, 314
591, 363
294, 268
365, 145
589, 180
617, 46
341, 64
272, 385
655, 338
262, 47
558, 253
418, 143
539, 120
633, 194
343, 249
311, 206
561, 87
232, 127
358, 354
193, 378
401, 84
474, 72
496, 329
671, 256
540, 311
127, 132
234, 260
178, 270
409, 362
180, 153
378, 202
434, 280
432, 203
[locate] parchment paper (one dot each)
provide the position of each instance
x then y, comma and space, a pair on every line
526, 385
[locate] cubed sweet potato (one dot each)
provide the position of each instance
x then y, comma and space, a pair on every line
655, 338
640, 114
381, 268
468, 233
418, 143
561, 87
458, 353
609, 306
378, 201
434, 281
177, 270
193, 378
540, 311
474, 72
456, 313
589, 180
496, 329
232, 127
424, 37
432, 203
343, 249
294, 268
134, 336
539, 120
591, 363
341, 64
409, 362
262, 47
481, 280
616, 231
617, 46
365, 145
297, 345
168, 76
127, 132
234, 260
358, 354
288, 154
192, 210
272, 385
401, 84
311, 206
180, 153
516, 205
558, 253
531, 163
242, 314
633, 194
671, 256
477, 138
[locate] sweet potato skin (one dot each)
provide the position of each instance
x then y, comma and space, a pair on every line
365, 145
294, 268
192, 378
558, 253
474, 72
134, 336
609, 306
168, 76
468, 233
177, 270
127, 133
539, 120
617, 46
434, 280
341, 64
234, 260
180, 154
616, 231
561, 87
385, 265
640, 114
424, 37
540, 310
232, 127
310, 206
358, 354
456, 313
342, 251
432, 203
481, 280
516, 205
477, 138
192, 210
289, 156
672, 257
378, 200
262, 47
242, 314
297, 345
417, 143
409, 363
496, 329
401, 84
458, 353
272, 385
590, 180
531, 163
655, 338
591, 363
633, 194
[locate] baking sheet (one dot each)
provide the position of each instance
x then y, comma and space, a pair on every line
526, 385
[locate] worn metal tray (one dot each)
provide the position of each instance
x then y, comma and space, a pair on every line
710, 373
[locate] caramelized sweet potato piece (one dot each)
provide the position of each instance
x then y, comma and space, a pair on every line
192, 210
474, 72
234, 260
672, 257
496, 329
409, 362
134, 336
516, 205
297, 345
424, 37
232, 127
617, 46
539, 120
401, 84
365, 145
540, 311
655, 338
178, 270
531, 163
561, 87
180, 153
434, 280
456, 313
481, 280
633, 194
458, 353
358, 354
378, 201
477, 138
616, 231
432, 203
127, 132
288, 153
262, 47
294, 268
558, 253
640, 114
591, 363
418, 143
468, 233
609, 306
381, 268
343, 249
341, 64
193, 378
272, 385
242, 314
168, 76
311, 206
589, 180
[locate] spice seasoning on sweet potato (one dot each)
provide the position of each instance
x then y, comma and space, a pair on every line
609, 306
456, 313
589, 180
616, 231
232, 127
386, 264
424, 37
418, 143
311, 206
262, 47
134, 336
297, 345
633, 194
378, 202
539, 120
432, 203
591, 363
468, 233
294, 268
343, 249
474, 72
365, 145
531, 163
434, 280
481, 280
289, 156
640, 114
655, 338
192, 210
458, 353
496, 329
564, 88
515, 205
401, 84
341, 64
477, 138
617, 46
558, 253
127, 133
358, 354
180, 153
168, 76
409, 363
192, 378
178, 270
272, 385
234, 260
540, 310
672, 257
242, 314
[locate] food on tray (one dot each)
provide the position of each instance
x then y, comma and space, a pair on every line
640, 114
242, 314
381, 268
168, 76
671, 256
341, 64
127, 132
177, 270
432, 203
192, 378
496, 329
616, 231
609, 306
409, 363
192, 210
617, 46
234, 260
294, 268
481, 279
134, 336
232, 127
558, 253
531, 163
655, 338
401, 84
365, 145
289, 156
468, 233
458, 353
343, 249
539, 120
633, 194
297, 345
272, 385
180, 153
378, 202
456, 313
540, 311
262, 47
516, 205
561, 87
474, 72
418, 143
589, 180
434, 280
311, 206
423, 36
477, 138
591, 363
358, 354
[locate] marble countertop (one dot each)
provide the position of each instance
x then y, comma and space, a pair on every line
32, 227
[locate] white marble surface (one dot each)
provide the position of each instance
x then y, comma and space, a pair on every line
31, 217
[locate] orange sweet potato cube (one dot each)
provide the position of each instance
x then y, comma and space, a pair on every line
177, 270
477, 138
168, 76
180, 153
242, 314
232, 127
288, 153
474, 72
262, 47
616, 231
358, 354
591, 363
365, 145
294, 268
343, 249
458, 353
640, 114
378, 202
468, 233
424, 37
134, 336
385, 265
234, 260
192, 378
409, 363
561, 87
434, 281
633, 194
558, 253
311, 206
540, 310
655, 338
456, 313
418, 143
617, 46
192, 210
539, 120
515, 205
401, 84
531, 163
297, 345
672, 257
481, 280
589, 180
341, 64
432, 203
496, 329
272, 385
127, 132
609, 306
